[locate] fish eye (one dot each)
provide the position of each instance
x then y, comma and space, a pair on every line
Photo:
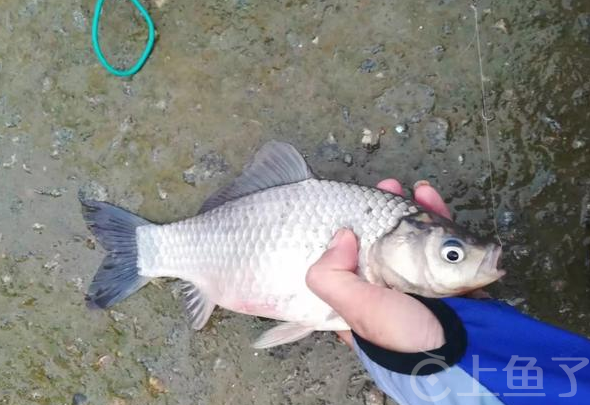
452, 251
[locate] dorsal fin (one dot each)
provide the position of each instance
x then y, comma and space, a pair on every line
275, 164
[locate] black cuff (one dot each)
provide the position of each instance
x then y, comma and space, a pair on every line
424, 363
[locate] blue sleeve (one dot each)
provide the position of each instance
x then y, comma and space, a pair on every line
509, 358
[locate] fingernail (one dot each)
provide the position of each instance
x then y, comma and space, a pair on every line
337, 238
421, 183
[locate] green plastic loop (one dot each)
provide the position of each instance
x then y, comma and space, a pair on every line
146, 52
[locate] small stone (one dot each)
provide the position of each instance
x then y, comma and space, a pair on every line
401, 128
11, 163
161, 193
52, 264
507, 219
79, 399
54, 192
515, 301
38, 227
190, 175
578, 144
461, 159
553, 124
501, 25
370, 140
156, 386
329, 149
347, 159
368, 65
103, 361
117, 316
373, 396
438, 52
315, 40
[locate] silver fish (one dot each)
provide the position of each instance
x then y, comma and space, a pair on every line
252, 242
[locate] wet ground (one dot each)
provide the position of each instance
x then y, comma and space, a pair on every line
224, 77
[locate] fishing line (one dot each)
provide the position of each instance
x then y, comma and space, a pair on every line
146, 52
486, 118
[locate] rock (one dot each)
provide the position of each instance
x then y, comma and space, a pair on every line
79, 399
53, 192
553, 124
92, 190
370, 140
190, 175
156, 386
406, 103
347, 159
507, 219
438, 52
329, 149
501, 25
401, 128
435, 131
368, 65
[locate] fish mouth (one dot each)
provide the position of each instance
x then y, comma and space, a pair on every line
488, 271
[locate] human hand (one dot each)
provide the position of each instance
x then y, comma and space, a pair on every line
387, 318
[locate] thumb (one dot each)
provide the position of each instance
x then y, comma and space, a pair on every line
336, 266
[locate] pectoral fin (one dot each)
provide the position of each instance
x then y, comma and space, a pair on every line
285, 332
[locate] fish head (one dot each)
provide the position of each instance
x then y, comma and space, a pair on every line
432, 256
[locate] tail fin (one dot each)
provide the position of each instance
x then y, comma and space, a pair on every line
117, 278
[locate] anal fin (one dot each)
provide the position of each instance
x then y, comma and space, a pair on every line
286, 332
198, 306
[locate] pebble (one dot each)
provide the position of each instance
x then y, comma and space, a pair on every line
370, 139
438, 52
553, 124
329, 150
54, 192
38, 227
501, 25
156, 386
79, 399
52, 264
11, 163
161, 193
347, 159
578, 144
461, 159
401, 128
368, 65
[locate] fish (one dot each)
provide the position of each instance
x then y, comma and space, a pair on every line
250, 245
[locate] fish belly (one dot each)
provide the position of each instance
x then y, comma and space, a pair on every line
251, 255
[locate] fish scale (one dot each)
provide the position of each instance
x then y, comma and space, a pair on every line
248, 254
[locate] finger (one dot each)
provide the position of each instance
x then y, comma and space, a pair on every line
346, 337
391, 185
337, 263
428, 197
